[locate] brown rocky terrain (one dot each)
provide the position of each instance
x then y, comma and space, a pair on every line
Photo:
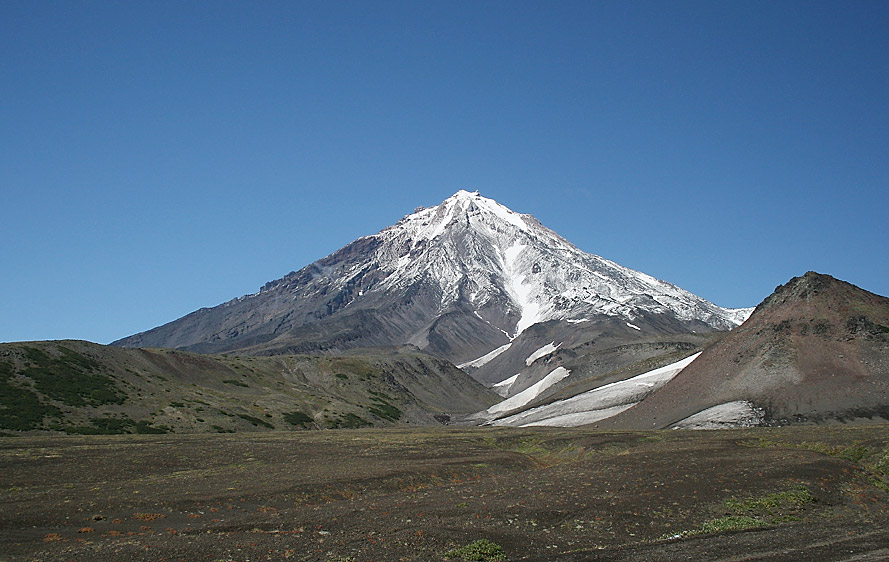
816, 350
803, 493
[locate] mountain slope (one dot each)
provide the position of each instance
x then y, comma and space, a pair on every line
816, 350
457, 280
81, 387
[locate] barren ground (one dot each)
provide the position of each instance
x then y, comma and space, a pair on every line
801, 493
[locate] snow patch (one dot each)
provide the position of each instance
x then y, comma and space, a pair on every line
635, 327
599, 403
739, 413
579, 418
530, 393
502, 387
542, 352
485, 359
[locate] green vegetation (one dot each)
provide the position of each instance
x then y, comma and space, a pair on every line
752, 513
70, 378
773, 504
21, 408
382, 408
103, 426
355, 366
298, 419
386, 411
145, 427
233, 382
481, 550
347, 421
256, 421
873, 459
730, 523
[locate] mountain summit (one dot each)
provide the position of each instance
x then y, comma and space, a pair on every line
457, 280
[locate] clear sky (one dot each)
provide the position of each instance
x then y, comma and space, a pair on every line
158, 157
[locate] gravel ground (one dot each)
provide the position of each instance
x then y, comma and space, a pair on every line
802, 493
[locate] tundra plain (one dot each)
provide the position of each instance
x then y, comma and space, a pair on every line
791, 493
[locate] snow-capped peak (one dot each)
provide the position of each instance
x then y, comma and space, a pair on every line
483, 255
459, 279
427, 223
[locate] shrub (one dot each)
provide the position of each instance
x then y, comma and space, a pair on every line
481, 550
385, 410
256, 421
731, 523
21, 408
235, 383
298, 419
70, 378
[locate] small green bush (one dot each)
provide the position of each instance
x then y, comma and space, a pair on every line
731, 523
771, 504
145, 427
235, 383
256, 421
385, 410
347, 421
103, 426
481, 550
298, 419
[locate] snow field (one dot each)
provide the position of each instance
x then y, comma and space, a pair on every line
599, 403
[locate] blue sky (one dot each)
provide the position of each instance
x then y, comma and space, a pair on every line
158, 157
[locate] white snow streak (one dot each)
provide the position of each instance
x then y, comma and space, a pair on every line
486, 358
599, 403
542, 352
529, 393
635, 327
521, 292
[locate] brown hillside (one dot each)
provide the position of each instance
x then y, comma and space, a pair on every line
816, 350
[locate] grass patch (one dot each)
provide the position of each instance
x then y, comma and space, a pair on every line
753, 513
874, 460
385, 410
234, 382
20, 407
731, 523
256, 421
481, 550
773, 504
144, 427
347, 421
298, 419
103, 426
70, 378
361, 369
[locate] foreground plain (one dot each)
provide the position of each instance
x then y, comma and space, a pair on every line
795, 493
